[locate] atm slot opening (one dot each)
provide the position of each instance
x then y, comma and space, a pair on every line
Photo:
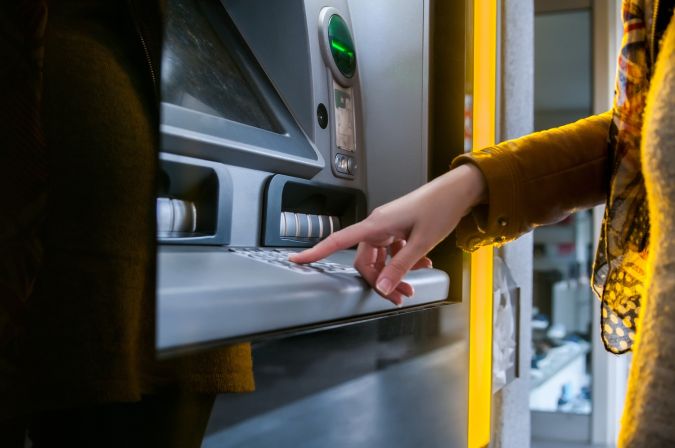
189, 203
301, 213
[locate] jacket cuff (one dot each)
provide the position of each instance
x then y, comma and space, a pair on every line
493, 222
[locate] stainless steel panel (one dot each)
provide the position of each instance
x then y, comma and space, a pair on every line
209, 294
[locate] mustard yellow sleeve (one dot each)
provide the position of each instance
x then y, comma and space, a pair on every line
537, 179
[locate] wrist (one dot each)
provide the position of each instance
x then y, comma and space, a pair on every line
476, 185
469, 186
457, 191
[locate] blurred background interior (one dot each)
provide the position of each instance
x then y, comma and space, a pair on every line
575, 387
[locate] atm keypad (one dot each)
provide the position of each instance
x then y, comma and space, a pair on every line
279, 257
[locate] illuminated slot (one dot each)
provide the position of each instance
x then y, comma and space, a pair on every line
314, 226
334, 224
303, 225
299, 213
175, 216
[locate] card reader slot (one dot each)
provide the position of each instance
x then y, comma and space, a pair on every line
192, 197
175, 216
299, 213
317, 227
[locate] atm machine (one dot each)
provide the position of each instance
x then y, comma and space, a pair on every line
282, 122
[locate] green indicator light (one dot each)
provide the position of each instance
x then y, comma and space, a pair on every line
341, 45
342, 49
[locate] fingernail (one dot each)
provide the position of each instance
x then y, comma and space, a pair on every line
384, 286
395, 303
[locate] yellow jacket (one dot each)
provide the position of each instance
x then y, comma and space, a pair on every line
542, 178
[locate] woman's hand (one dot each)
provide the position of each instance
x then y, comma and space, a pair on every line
407, 229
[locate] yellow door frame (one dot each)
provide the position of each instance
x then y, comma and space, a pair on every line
484, 31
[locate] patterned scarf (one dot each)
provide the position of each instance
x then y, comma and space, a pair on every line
619, 268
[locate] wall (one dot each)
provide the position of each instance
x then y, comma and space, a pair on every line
511, 413
562, 87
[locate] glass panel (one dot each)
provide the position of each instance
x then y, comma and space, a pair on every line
562, 316
354, 386
562, 68
200, 72
562, 298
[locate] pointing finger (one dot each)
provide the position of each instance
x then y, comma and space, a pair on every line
340, 240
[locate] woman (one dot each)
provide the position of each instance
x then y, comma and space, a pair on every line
496, 194
78, 160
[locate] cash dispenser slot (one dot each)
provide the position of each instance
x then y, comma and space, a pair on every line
192, 197
300, 213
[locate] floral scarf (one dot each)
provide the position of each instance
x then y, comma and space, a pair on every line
619, 268
618, 273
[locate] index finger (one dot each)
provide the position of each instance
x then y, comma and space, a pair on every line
343, 239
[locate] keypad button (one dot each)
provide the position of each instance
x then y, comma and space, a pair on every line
351, 165
341, 164
279, 258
